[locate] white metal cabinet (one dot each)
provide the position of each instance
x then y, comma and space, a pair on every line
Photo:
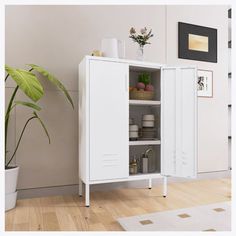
104, 115
179, 124
109, 117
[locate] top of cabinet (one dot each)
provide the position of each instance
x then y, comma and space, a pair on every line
132, 63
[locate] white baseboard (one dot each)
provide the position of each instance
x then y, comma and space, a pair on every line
73, 189
48, 191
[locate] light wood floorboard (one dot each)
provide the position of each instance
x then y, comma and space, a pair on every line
68, 213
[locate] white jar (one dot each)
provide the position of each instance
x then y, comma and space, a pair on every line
133, 128
133, 131
112, 47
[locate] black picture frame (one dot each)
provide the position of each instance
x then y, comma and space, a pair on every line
184, 30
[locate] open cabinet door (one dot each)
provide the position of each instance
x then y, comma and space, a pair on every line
179, 122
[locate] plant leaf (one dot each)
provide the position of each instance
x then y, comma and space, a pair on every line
27, 82
43, 125
28, 104
53, 80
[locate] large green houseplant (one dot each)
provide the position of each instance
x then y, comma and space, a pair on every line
29, 83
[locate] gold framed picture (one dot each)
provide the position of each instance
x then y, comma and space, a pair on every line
197, 42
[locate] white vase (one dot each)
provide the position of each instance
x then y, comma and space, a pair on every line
11, 177
112, 47
140, 53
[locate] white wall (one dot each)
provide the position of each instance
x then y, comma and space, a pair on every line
212, 112
57, 37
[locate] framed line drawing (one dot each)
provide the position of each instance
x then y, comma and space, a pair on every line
197, 42
205, 83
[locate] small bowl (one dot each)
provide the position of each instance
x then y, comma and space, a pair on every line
149, 117
148, 123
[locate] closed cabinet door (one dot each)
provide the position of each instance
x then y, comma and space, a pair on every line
179, 122
109, 147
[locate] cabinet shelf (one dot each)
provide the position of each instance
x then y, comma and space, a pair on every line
144, 176
144, 142
144, 102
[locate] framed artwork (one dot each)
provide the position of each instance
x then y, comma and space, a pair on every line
205, 83
197, 42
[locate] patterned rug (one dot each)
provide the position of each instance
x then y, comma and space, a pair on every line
213, 217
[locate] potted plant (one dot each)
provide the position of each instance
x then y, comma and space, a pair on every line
144, 90
141, 39
28, 83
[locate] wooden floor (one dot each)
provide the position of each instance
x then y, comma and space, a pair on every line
68, 212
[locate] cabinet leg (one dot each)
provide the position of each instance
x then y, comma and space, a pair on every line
165, 186
80, 187
87, 195
150, 183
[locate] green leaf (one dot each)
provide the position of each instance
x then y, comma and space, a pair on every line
52, 79
28, 104
144, 78
27, 82
44, 127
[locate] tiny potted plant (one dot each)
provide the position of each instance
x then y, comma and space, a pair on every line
28, 83
144, 90
141, 39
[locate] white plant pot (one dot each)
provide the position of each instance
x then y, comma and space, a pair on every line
11, 177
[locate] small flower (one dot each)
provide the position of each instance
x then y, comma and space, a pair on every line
144, 30
132, 30
142, 38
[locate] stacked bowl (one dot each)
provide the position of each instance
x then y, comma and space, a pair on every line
133, 132
148, 127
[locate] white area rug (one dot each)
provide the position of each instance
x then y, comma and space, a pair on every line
214, 217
